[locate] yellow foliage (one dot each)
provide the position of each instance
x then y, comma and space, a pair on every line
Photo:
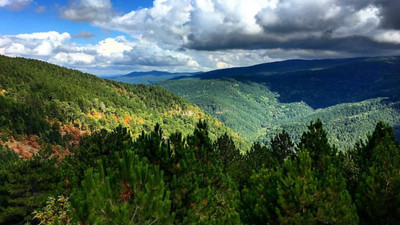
95, 115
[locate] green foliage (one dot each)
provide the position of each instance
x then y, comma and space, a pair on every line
101, 145
32, 90
7, 156
228, 155
25, 186
56, 211
379, 178
315, 139
282, 147
130, 171
261, 108
17, 118
134, 193
309, 197
304, 190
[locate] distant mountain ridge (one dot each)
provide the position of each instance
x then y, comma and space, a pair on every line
350, 95
275, 67
364, 78
148, 77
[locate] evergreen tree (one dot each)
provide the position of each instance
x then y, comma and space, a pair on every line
25, 186
155, 149
227, 153
260, 197
377, 195
204, 194
298, 194
335, 204
316, 142
282, 147
101, 145
134, 193
306, 197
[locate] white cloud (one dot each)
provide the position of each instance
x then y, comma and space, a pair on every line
72, 58
87, 10
251, 24
188, 35
15, 5
113, 47
4, 3
40, 44
222, 65
54, 37
390, 36
84, 34
15, 49
111, 54
44, 49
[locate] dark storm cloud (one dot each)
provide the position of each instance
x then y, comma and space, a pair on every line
389, 10
217, 33
390, 13
354, 44
341, 26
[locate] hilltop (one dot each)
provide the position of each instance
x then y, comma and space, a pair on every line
41, 101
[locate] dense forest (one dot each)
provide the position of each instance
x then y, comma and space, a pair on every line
76, 149
349, 95
258, 114
38, 101
112, 178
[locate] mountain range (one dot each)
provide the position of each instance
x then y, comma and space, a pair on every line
349, 95
148, 77
144, 155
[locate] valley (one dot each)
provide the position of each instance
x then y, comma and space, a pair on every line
348, 95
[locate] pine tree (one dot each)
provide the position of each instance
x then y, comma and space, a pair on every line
297, 192
227, 153
307, 197
316, 142
335, 205
282, 147
205, 195
377, 195
25, 186
260, 197
134, 193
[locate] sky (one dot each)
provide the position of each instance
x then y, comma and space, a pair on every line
110, 37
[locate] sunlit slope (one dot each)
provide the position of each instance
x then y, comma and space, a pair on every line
36, 94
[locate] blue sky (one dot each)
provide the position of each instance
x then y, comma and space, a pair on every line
107, 37
28, 20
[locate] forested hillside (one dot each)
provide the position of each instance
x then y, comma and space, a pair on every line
322, 83
349, 95
77, 149
48, 106
112, 178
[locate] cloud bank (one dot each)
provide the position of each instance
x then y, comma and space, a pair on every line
207, 34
